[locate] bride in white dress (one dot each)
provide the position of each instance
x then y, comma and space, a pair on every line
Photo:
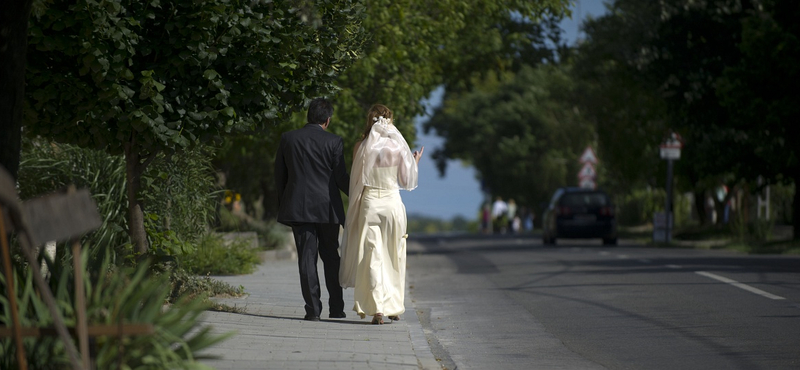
373, 249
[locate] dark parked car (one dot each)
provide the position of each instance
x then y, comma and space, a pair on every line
579, 213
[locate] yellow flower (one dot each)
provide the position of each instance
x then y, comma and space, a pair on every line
227, 200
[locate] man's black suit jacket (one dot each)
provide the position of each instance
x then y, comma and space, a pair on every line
309, 172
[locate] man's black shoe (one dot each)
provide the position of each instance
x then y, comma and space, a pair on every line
311, 318
337, 315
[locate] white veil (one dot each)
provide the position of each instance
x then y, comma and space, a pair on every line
383, 147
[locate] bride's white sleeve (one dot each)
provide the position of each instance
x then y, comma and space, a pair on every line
407, 170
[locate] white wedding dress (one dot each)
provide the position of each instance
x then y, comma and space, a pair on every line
373, 249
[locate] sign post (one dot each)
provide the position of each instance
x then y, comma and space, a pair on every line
671, 151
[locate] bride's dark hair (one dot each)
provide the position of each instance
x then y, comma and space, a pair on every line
375, 111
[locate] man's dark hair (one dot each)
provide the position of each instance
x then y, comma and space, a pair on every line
319, 111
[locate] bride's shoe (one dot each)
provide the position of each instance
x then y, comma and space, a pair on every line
377, 319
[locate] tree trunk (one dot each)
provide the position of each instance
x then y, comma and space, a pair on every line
796, 209
133, 170
700, 206
13, 53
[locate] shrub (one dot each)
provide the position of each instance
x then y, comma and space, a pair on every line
213, 257
113, 295
180, 196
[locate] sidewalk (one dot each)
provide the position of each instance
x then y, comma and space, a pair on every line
271, 332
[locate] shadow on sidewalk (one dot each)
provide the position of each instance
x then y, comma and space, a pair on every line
295, 318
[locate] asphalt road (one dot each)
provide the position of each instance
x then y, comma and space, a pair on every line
512, 303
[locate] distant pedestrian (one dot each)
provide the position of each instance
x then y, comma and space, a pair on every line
511, 215
486, 218
309, 173
499, 210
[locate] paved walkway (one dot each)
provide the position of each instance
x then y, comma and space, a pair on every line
271, 333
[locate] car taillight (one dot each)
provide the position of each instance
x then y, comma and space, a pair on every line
607, 211
562, 210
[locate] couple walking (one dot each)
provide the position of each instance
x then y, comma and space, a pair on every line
310, 171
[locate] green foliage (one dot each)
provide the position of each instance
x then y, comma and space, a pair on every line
781, 198
180, 190
213, 256
626, 109
248, 163
113, 296
759, 93
47, 167
164, 243
160, 78
637, 207
185, 284
416, 46
419, 225
271, 234
413, 47
712, 71
521, 132
173, 73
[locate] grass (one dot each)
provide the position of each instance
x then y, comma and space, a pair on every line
719, 237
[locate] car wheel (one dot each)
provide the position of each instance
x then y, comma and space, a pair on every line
609, 241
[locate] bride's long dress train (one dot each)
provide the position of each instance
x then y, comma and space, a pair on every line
381, 269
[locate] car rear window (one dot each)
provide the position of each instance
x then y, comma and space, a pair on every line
585, 200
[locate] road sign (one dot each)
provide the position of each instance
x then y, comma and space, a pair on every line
587, 171
588, 183
670, 152
671, 148
588, 156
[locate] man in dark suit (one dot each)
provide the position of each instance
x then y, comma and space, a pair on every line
309, 172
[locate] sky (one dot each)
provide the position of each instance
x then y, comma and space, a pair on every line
458, 193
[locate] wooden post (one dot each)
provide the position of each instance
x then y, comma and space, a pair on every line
80, 304
80, 297
12, 295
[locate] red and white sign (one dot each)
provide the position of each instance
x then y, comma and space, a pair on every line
587, 174
588, 156
671, 148
587, 171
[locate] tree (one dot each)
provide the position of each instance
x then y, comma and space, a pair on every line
415, 46
13, 48
142, 78
651, 68
628, 113
759, 92
521, 133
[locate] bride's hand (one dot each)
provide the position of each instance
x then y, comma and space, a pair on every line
418, 154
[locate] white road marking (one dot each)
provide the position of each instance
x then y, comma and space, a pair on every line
739, 285
674, 266
604, 253
622, 256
